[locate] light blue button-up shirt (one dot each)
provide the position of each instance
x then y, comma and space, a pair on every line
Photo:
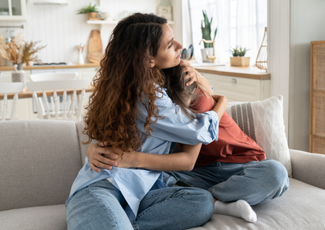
134, 184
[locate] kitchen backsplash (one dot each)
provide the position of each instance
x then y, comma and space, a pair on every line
61, 29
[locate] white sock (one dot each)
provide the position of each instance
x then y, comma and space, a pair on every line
239, 209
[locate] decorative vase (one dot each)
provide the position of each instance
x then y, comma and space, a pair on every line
81, 59
205, 53
92, 16
19, 75
239, 61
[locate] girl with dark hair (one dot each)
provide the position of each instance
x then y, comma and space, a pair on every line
233, 168
130, 110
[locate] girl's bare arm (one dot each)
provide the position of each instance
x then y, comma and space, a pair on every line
103, 157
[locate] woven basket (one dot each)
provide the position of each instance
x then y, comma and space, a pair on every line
239, 61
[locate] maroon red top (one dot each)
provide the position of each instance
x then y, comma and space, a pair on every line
232, 146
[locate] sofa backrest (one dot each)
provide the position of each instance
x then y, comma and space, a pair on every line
39, 160
83, 139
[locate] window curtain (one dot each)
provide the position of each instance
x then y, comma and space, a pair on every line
239, 22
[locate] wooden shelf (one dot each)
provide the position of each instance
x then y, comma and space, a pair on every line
101, 22
106, 22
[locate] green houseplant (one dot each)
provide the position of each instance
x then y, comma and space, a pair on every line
238, 58
91, 11
206, 29
208, 54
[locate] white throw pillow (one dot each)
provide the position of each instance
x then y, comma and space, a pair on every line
263, 122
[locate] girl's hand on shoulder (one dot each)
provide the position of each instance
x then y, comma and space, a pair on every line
195, 76
191, 73
101, 157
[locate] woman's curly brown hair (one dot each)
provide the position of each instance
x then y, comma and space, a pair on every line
125, 77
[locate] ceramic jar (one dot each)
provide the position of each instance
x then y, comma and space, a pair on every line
19, 74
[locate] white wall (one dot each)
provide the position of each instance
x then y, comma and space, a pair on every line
278, 51
292, 25
307, 24
61, 29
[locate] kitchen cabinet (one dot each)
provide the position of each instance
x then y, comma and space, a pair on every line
239, 88
13, 10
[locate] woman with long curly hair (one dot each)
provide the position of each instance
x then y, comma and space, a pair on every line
130, 110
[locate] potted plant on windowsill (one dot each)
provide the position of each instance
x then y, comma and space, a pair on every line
238, 58
91, 11
206, 35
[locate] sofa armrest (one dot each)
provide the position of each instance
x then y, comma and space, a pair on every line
308, 167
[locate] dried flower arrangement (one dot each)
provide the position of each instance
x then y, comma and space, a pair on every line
18, 51
29, 53
12, 51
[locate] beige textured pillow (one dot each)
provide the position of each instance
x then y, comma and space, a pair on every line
263, 122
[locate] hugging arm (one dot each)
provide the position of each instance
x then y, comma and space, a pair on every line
103, 157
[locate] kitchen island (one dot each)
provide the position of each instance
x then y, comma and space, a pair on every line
25, 109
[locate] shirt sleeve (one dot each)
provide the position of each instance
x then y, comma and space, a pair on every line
176, 126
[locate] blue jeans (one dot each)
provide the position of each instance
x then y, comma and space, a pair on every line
255, 182
101, 206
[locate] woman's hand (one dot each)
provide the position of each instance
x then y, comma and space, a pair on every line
100, 156
103, 157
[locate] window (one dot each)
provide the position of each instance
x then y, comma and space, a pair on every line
239, 22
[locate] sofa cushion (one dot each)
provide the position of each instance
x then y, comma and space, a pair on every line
39, 161
263, 122
301, 207
36, 218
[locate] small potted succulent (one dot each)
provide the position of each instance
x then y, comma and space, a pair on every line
91, 11
238, 58
206, 35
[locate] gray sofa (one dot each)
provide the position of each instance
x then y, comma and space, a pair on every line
40, 159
